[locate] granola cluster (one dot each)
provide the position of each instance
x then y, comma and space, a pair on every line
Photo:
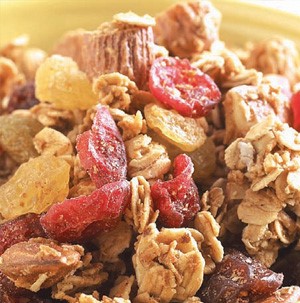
110, 195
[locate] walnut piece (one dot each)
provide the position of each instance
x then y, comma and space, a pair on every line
168, 263
146, 158
40, 263
187, 28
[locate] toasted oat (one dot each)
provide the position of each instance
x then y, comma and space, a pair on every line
131, 125
115, 90
276, 56
247, 105
168, 263
140, 212
89, 275
187, 28
146, 158
211, 248
112, 243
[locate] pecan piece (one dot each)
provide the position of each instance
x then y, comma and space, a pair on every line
39, 263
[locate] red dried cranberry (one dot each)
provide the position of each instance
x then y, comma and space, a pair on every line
83, 217
178, 199
178, 85
102, 151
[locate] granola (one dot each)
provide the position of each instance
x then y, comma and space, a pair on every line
141, 191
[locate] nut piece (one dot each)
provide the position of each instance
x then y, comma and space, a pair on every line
40, 263
187, 28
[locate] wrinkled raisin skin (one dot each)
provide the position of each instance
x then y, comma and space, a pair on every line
83, 217
22, 97
20, 229
240, 279
178, 199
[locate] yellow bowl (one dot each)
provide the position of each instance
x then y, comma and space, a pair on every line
46, 20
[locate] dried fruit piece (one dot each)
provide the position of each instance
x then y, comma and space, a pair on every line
40, 263
178, 199
240, 279
83, 217
295, 104
22, 97
20, 229
35, 186
101, 150
204, 157
177, 84
59, 81
181, 131
204, 160
16, 134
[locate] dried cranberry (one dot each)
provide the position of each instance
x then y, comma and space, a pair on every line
101, 150
178, 199
20, 229
240, 279
295, 103
178, 85
22, 97
83, 217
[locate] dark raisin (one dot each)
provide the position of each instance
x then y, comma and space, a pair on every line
22, 97
240, 279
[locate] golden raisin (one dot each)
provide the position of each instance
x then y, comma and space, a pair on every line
59, 81
36, 185
181, 131
16, 136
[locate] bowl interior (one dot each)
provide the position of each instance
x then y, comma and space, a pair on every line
46, 20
